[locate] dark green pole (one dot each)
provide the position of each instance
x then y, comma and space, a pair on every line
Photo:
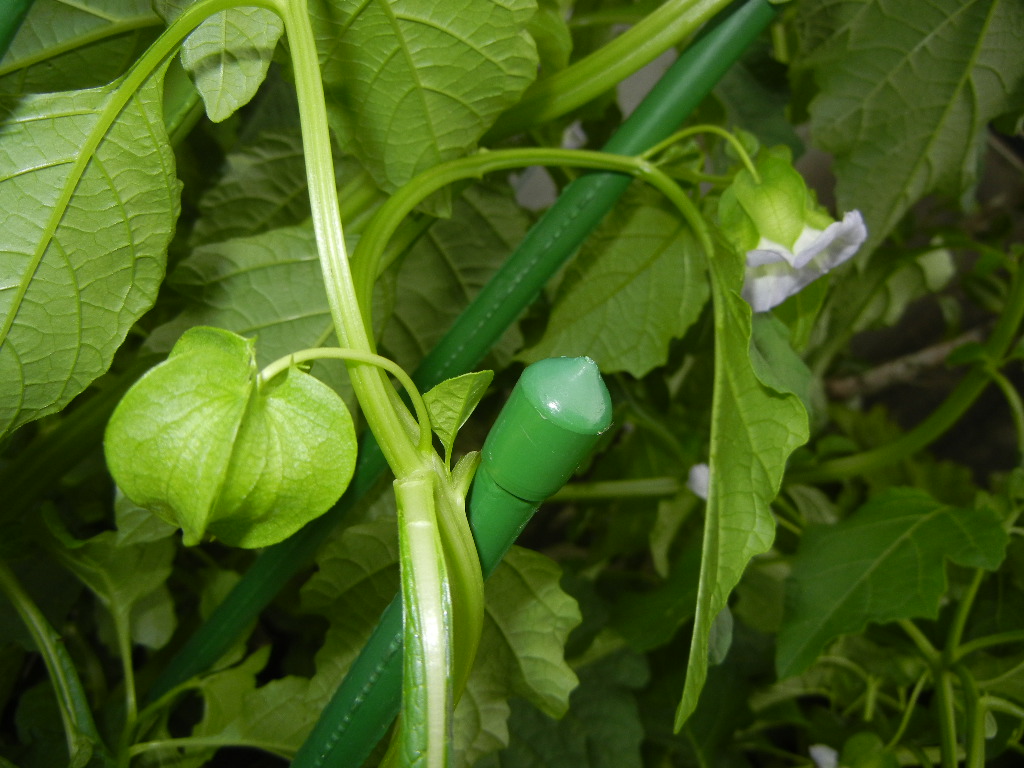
513, 288
10, 21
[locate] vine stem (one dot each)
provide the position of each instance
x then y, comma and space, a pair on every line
187, 742
282, 364
712, 129
672, 22
369, 258
637, 488
943, 417
371, 387
72, 702
956, 630
1003, 638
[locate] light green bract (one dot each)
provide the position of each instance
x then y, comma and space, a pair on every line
202, 445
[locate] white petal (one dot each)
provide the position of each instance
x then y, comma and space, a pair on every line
768, 286
774, 275
823, 756
839, 242
700, 475
769, 252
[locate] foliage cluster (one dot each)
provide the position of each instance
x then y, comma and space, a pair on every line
178, 312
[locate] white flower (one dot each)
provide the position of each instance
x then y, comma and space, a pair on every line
789, 241
774, 272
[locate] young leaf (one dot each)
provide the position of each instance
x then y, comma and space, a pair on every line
755, 425
90, 201
637, 284
883, 563
521, 652
199, 443
64, 45
228, 54
414, 83
122, 575
898, 133
451, 402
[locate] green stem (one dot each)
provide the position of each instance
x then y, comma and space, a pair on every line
369, 262
1013, 399
735, 143
974, 719
588, 78
948, 748
999, 704
638, 488
1003, 638
370, 384
924, 645
216, 742
908, 712
426, 604
942, 418
72, 702
124, 647
956, 630
282, 364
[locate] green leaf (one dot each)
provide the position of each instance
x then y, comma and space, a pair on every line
261, 187
755, 425
906, 93
601, 730
228, 54
527, 622
549, 29
118, 573
269, 285
274, 717
448, 267
885, 562
357, 577
636, 284
90, 201
867, 750
413, 83
205, 447
452, 401
66, 45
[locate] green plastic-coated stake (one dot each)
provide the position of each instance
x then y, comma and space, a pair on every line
10, 21
550, 424
549, 243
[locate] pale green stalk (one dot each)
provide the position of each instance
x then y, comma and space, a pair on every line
72, 703
318, 353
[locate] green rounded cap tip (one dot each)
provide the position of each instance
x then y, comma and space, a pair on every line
551, 422
570, 392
